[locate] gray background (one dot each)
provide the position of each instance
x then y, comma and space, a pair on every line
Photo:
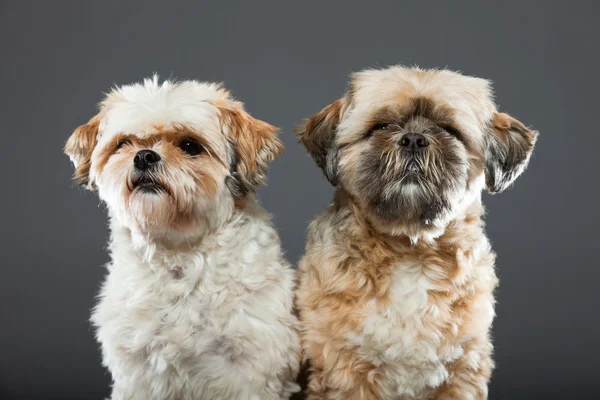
286, 62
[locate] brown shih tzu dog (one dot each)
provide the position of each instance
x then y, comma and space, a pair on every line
396, 286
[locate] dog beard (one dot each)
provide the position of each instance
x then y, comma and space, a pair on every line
147, 182
168, 202
157, 204
150, 201
414, 187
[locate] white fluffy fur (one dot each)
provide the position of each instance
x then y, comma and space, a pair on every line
208, 322
196, 313
138, 109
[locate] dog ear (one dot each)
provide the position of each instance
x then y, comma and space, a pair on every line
508, 144
317, 134
255, 145
79, 148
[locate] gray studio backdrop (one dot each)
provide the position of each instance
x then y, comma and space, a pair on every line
287, 61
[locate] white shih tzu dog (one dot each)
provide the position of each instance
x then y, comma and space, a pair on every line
198, 299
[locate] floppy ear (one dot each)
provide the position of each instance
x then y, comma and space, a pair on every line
317, 134
255, 145
509, 144
79, 148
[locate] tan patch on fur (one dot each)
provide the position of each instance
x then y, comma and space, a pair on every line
504, 126
80, 147
348, 263
206, 169
170, 139
255, 143
318, 132
509, 146
240, 203
503, 122
382, 317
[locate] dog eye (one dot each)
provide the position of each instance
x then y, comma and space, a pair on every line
452, 131
380, 127
190, 146
122, 143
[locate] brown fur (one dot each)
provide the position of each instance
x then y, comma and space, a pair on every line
255, 143
236, 149
169, 139
353, 263
205, 168
80, 145
318, 134
510, 142
396, 286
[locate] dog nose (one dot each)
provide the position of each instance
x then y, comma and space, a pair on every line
144, 159
414, 141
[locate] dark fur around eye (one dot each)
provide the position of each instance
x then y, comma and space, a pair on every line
380, 127
122, 143
377, 127
452, 131
191, 146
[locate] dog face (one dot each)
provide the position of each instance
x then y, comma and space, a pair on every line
413, 147
172, 157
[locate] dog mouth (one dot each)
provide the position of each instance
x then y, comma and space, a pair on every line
147, 184
413, 171
413, 168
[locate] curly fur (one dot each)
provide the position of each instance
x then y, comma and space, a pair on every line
205, 321
396, 286
197, 303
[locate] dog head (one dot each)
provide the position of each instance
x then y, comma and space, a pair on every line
412, 147
172, 157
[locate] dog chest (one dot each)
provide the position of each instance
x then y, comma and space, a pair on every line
176, 328
163, 320
404, 337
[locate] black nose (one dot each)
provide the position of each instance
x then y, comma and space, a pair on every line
145, 159
414, 141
